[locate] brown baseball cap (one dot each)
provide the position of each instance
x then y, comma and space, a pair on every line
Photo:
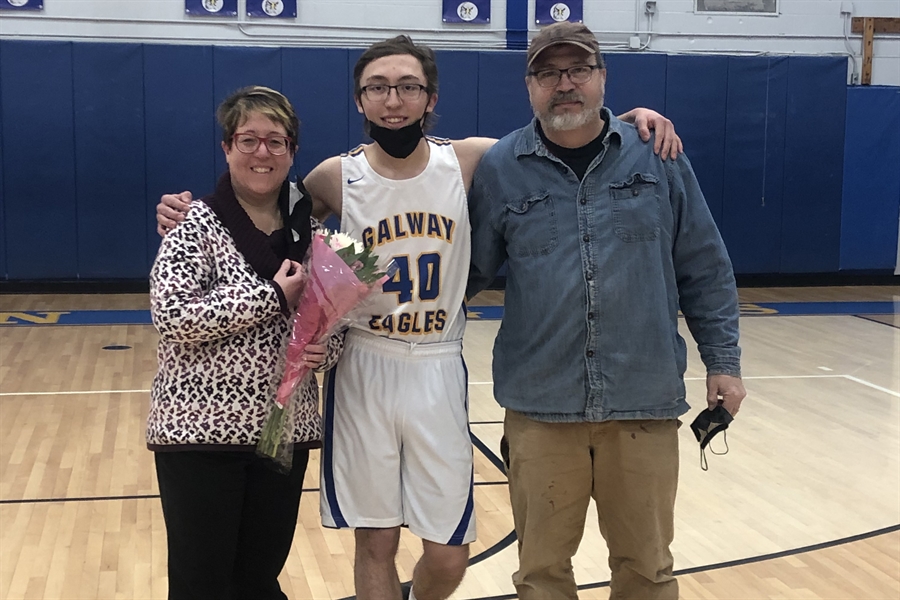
564, 32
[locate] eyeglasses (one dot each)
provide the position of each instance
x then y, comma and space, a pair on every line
380, 91
247, 143
549, 78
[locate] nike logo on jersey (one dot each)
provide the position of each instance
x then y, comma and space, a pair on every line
352, 181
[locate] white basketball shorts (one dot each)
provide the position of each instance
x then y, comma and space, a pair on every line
397, 449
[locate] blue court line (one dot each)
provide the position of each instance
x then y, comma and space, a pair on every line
75, 317
484, 313
819, 308
754, 309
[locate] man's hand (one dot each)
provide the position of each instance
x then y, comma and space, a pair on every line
171, 211
725, 390
291, 277
667, 143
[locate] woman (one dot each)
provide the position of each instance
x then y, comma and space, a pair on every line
222, 291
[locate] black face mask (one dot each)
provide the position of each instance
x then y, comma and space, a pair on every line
399, 143
707, 424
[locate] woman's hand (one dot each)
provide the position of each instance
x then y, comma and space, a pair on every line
314, 355
291, 277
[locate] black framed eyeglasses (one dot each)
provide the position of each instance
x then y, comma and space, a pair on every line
247, 143
549, 78
379, 92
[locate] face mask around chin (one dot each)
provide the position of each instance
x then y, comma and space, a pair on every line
398, 143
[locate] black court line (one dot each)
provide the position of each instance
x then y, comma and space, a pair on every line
475, 441
740, 561
495, 460
508, 540
151, 496
511, 536
82, 499
865, 318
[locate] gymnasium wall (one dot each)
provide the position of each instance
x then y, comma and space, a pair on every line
807, 27
800, 171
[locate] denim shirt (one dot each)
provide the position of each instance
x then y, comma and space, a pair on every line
597, 272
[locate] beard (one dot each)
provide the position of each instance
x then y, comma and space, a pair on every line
567, 121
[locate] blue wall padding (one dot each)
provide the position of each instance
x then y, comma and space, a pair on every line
129, 122
39, 177
516, 24
871, 178
502, 98
457, 107
178, 86
776, 111
751, 205
776, 129
315, 82
692, 83
2, 214
355, 134
109, 166
236, 67
813, 164
635, 80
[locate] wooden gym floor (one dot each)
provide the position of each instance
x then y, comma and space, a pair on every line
805, 505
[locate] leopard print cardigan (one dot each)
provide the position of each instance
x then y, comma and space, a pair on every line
223, 339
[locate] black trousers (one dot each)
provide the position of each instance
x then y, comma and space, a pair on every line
230, 519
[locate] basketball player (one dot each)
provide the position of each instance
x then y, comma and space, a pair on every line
397, 449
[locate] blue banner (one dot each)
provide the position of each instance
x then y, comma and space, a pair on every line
475, 11
31, 318
211, 8
551, 11
22, 4
275, 9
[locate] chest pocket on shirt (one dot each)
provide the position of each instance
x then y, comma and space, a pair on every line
531, 225
635, 206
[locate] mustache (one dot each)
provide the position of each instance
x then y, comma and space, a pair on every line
570, 96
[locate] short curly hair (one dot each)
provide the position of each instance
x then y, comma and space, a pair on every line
237, 107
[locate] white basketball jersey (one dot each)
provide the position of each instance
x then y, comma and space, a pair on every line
423, 224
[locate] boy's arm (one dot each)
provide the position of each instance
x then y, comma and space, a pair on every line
469, 152
171, 210
667, 143
324, 185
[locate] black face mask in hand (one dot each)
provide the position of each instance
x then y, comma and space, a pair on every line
399, 143
707, 424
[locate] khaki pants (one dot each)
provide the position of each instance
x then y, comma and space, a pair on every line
630, 468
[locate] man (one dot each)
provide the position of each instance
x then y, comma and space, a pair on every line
397, 449
604, 242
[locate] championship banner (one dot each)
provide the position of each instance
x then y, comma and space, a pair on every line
276, 9
550, 11
22, 4
211, 8
476, 11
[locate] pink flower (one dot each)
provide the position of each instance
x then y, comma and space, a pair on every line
332, 290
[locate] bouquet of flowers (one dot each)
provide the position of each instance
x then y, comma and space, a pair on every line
341, 274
